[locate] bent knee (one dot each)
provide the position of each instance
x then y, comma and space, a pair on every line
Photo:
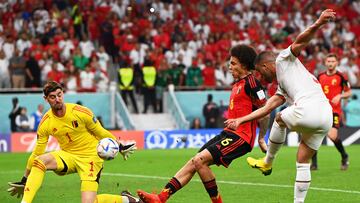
198, 162
48, 160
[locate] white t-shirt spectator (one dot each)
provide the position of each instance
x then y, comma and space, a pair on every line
103, 60
66, 46
87, 79
9, 49
87, 47
22, 45
223, 78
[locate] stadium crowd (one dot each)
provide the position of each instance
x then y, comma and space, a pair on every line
82, 43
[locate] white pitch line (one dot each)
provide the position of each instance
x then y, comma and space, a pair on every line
219, 181
231, 182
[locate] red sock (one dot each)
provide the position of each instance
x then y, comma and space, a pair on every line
170, 188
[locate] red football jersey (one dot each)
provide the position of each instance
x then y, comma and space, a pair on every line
333, 85
246, 96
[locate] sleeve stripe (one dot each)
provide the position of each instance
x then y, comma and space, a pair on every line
43, 119
83, 110
252, 82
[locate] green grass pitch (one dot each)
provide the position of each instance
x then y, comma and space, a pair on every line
151, 169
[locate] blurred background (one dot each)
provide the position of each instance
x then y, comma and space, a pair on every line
156, 71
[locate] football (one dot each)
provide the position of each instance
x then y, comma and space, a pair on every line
107, 148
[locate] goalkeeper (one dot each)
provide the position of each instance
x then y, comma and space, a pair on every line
77, 131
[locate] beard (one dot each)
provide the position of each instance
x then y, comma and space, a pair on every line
58, 106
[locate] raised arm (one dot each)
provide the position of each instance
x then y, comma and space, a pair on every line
304, 38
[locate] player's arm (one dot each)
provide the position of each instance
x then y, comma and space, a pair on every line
345, 94
94, 126
274, 102
17, 188
304, 38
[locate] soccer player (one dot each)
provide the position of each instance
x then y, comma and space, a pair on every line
336, 87
247, 94
77, 130
310, 113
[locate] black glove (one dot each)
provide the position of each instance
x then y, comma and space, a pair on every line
17, 188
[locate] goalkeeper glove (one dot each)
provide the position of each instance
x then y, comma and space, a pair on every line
127, 150
17, 188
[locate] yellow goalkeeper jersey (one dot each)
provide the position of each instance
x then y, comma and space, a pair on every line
77, 132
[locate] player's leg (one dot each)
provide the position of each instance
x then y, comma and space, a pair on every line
201, 162
276, 140
41, 164
303, 175
333, 135
314, 165
181, 178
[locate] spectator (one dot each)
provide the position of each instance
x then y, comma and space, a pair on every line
4, 71
17, 70
23, 43
193, 76
149, 79
196, 123
208, 74
86, 46
80, 61
22, 121
72, 79
223, 76
176, 74
35, 118
14, 113
55, 74
162, 81
87, 80
126, 85
33, 72
210, 112
104, 58
352, 110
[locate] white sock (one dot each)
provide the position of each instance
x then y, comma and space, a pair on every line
276, 139
302, 182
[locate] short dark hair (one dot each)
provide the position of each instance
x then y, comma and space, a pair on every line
264, 56
332, 55
245, 54
50, 87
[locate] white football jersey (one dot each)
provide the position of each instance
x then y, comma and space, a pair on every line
295, 82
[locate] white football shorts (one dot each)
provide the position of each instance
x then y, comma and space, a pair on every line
311, 119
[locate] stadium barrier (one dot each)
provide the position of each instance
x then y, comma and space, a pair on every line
156, 139
172, 106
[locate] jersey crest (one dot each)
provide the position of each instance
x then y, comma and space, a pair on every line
75, 123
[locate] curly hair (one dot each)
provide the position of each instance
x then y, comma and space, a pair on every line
245, 54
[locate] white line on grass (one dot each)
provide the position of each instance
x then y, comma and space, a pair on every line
219, 181
230, 182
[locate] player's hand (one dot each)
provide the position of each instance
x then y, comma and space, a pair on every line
17, 188
336, 99
262, 145
233, 123
127, 150
326, 16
